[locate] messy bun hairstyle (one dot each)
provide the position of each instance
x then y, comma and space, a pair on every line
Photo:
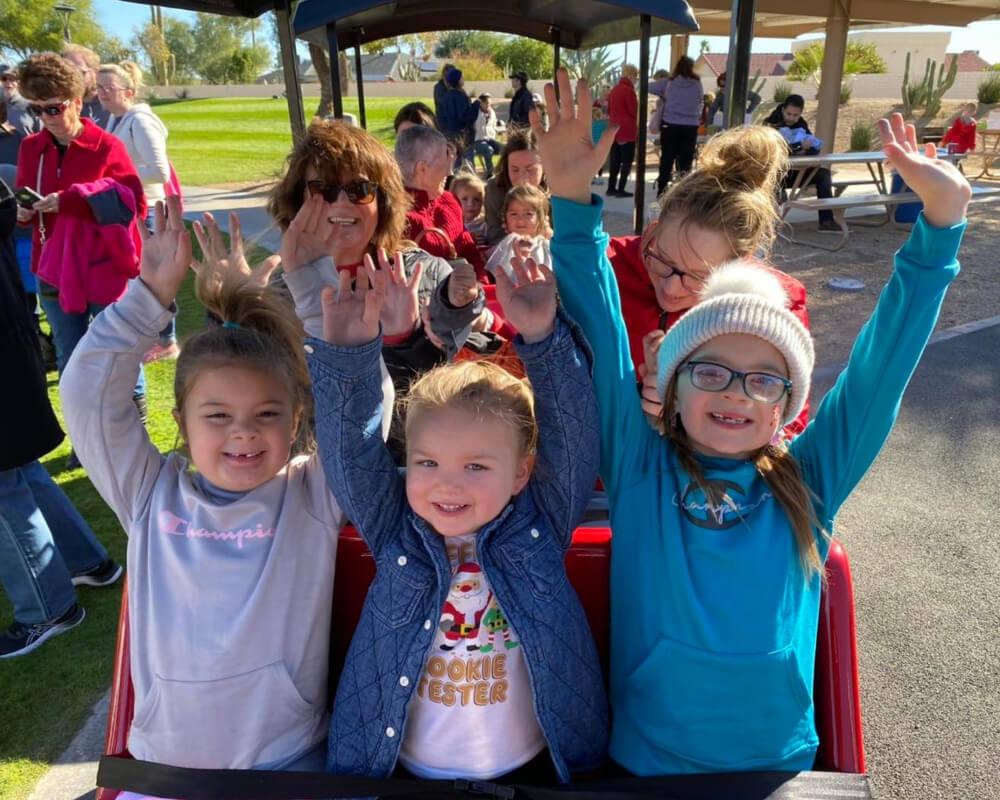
734, 189
254, 327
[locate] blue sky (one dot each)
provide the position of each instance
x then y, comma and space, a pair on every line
120, 18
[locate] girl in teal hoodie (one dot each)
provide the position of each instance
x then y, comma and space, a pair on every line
719, 535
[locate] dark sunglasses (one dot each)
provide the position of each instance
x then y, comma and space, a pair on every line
361, 193
51, 110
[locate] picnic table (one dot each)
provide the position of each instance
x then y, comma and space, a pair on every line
990, 152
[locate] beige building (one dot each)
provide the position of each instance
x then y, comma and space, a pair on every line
893, 46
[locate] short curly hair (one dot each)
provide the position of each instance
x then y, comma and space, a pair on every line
45, 76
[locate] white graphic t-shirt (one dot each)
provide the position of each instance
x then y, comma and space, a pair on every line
471, 715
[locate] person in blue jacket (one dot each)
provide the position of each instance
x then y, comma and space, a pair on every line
456, 113
472, 658
719, 537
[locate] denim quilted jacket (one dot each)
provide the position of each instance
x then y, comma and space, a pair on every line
521, 552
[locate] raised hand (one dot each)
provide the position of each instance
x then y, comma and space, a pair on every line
214, 253
401, 308
351, 315
308, 236
167, 255
943, 189
652, 403
463, 286
569, 156
529, 301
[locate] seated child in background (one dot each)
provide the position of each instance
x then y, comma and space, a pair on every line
471, 191
473, 657
526, 220
221, 555
963, 131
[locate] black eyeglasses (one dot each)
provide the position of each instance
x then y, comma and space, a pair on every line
53, 110
361, 193
760, 386
691, 282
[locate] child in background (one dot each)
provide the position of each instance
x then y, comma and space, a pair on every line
473, 657
963, 130
720, 537
470, 190
218, 557
526, 220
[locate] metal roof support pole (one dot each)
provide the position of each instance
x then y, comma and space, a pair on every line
289, 65
640, 156
334, 46
834, 51
360, 80
738, 65
556, 55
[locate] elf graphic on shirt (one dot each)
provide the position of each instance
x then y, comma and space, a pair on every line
463, 611
495, 622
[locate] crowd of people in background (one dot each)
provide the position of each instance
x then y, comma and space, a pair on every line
406, 274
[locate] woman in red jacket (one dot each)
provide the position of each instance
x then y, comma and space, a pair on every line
69, 151
722, 211
623, 111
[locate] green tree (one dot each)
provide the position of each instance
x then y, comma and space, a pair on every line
114, 50
150, 38
450, 43
860, 58
31, 26
531, 55
218, 45
595, 65
180, 41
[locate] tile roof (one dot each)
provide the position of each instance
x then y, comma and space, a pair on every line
766, 63
968, 61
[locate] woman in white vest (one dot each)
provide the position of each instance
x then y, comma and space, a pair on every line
145, 137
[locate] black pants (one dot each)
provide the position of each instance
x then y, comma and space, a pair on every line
677, 143
621, 161
822, 180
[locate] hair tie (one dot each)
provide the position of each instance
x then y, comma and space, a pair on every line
228, 324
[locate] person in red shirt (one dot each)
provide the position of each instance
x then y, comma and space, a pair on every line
963, 130
434, 221
722, 211
623, 111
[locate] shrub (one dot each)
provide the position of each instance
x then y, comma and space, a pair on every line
782, 90
846, 90
862, 136
988, 92
476, 67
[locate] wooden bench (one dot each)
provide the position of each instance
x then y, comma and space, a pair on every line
989, 153
840, 205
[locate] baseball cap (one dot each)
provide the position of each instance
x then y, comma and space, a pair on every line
521, 75
8, 69
485, 96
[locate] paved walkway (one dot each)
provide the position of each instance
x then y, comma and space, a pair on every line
920, 532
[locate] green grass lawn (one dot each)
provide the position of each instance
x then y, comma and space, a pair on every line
46, 696
247, 139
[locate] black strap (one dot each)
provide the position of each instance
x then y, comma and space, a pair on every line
161, 780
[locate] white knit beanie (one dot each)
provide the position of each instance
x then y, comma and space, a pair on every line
740, 297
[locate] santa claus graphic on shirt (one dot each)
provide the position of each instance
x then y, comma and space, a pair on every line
463, 611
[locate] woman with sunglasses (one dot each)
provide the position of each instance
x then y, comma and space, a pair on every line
340, 202
722, 211
70, 154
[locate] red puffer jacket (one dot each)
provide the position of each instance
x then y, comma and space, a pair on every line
445, 214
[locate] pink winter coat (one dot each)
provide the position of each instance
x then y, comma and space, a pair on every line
91, 259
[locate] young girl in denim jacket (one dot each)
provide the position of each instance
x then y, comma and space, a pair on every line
473, 657
719, 536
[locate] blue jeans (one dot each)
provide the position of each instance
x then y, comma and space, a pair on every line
68, 329
43, 542
486, 148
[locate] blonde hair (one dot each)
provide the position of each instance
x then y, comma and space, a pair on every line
258, 329
733, 192
630, 71
470, 180
534, 198
335, 149
90, 58
128, 72
776, 466
486, 390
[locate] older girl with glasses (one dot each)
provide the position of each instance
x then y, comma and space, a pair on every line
721, 211
62, 164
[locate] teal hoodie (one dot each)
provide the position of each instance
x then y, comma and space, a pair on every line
713, 635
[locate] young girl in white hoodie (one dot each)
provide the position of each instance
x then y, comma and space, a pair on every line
231, 563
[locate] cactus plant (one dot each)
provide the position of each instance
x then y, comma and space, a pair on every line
756, 83
928, 93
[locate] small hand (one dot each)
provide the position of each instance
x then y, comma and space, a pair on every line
530, 304
652, 403
463, 286
425, 317
48, 204
213, 248
308, 236
167, 254
350, 316
25, 214
943, 189
570, 158
401, 309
